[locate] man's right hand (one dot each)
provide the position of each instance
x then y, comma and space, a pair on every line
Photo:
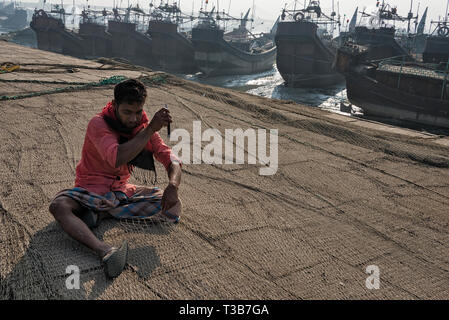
160, 119
130, 149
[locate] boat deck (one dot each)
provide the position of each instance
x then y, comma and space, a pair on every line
414, 70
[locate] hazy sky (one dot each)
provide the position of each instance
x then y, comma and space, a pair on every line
270, 9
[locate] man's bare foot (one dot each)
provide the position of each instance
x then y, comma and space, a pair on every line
105, 250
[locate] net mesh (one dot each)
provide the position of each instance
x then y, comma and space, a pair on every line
347, 194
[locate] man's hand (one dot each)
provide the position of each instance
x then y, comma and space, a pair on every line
160, 119
170, 197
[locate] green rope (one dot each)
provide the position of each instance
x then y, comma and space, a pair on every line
111, 80
78, 86
85, 86
43, 82
162, 78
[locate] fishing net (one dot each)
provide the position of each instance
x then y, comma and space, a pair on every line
347, 194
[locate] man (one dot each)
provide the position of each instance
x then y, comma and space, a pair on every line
118, 140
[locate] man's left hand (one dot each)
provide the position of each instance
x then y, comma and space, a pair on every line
170, 197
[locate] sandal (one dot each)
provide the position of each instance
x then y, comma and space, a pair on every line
115, 260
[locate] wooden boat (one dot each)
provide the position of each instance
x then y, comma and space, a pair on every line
216, 56
130, 44
436, 48
52, 35
305, 50
172, 50
437, 44
96, 40
12, 17
396, 89
378, 38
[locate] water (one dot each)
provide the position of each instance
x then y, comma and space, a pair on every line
271, 85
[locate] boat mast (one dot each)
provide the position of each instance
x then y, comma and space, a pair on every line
339, 18
447, 7
417, 16
193, 12
380, 13
332, 15
252, 18
410, 16
229, 11
218, 14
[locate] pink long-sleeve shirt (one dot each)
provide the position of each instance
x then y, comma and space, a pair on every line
96, 170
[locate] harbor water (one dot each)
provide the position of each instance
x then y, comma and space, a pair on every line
271, 85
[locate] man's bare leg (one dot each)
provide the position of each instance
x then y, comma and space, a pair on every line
63, 209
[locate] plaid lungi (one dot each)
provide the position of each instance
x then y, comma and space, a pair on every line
120, 206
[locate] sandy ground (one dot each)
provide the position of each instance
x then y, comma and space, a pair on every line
347, 194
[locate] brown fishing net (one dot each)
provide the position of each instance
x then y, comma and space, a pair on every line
347, 194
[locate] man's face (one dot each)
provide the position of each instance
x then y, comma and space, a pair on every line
129, 115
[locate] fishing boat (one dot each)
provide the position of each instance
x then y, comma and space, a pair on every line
52, 35
127, 41
415, 42
96, 40
397, 89
437, 44
436, 49
306, 49
377, 33
148, 39
172, 50
235, 53
12, 16
432, 47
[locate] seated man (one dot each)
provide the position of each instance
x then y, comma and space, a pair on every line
117, 140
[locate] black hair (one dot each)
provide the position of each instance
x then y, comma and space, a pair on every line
130, 91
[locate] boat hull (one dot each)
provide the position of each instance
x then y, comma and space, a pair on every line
171, 50
436, 49
215, 57
52, 36
381, 100
303, 60
97, 42
381, 43
130, 44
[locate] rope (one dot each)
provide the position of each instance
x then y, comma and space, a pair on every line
103, 82
8, 67
42, 82
79, 86
157, 79
114, 65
